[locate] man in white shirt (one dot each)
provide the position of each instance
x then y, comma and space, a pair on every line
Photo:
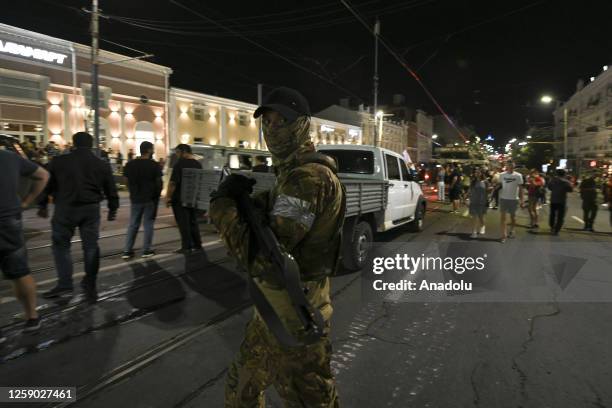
509, 195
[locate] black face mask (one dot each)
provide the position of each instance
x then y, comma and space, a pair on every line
286, 139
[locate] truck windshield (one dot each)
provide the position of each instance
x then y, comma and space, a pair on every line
353, 161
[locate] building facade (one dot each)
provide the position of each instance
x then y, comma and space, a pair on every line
424, 126
589, 123
205, 119
45, 93
394, 135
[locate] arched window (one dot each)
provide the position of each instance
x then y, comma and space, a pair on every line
144, 132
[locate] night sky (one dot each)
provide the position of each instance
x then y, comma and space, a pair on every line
486, 63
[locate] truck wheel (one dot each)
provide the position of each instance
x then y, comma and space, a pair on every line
357, 250
419, 220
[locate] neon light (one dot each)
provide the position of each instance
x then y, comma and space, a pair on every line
29, 52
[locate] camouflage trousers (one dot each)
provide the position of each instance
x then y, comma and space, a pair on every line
302, 376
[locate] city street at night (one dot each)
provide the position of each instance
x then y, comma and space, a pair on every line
324, 204
166, 328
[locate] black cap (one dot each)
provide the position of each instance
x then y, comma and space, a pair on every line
286, 101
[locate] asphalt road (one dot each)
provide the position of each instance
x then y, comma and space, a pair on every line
165, 329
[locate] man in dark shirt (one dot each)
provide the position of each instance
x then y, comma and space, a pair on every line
79, 181
588, 193
145, 183
559, 186
185, 217
455, 188
13, 256
119, 160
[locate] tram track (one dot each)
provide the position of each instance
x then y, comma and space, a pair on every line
157, 351
39, 270
115, 235
115, 292
33, 232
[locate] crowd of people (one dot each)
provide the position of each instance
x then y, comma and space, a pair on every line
480, 189
43, 154
77, 204
78, 180
306, 208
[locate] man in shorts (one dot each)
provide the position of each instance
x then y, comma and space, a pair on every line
510, 198
13, 256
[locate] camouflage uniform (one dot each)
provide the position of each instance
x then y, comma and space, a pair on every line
305, 210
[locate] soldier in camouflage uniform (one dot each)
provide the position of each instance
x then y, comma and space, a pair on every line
305, 210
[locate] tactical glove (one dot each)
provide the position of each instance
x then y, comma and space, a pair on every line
233, 186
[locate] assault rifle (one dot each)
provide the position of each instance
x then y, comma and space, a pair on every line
287, 272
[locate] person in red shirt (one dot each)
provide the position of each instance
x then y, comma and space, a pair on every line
535, 189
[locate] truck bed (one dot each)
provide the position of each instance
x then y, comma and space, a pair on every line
362, 196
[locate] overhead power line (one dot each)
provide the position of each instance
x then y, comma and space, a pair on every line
281, 28
403, 63
257, 44
259, 17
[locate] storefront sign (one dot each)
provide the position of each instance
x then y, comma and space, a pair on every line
10, 47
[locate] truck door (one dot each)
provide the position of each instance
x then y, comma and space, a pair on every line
409, 189
396, 207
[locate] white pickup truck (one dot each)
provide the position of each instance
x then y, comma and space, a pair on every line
381, 195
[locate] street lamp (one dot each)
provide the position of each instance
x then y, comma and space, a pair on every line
434, 136
546, 99
528, 137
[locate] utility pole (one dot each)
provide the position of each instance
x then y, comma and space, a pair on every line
95, 100
565, 133
376, 33
259, 102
